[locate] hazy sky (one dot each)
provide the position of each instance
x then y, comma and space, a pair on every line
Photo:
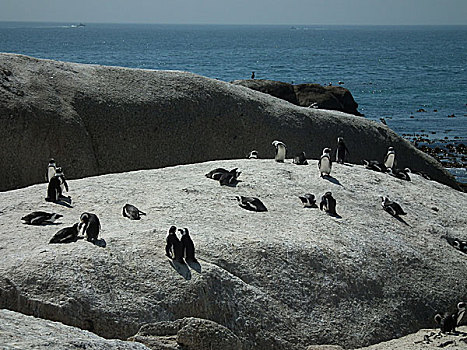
238, 11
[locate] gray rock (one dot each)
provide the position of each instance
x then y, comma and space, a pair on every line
18, 331
188, 333
281, 279
97, 120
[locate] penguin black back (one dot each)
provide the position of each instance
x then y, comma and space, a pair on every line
54, 189
174, 247
66, 235
188, 245
131, 212
328, 203
446, 321
91, 225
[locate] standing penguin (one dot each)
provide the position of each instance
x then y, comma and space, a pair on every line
91, 225
341, 151
174, 247
61, 177
281, 151
51, 169
188, 246
390, 158
447, 322
461, 314
131, 212
54, 190
328, 203
325, 163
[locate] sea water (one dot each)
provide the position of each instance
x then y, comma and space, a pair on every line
392, 71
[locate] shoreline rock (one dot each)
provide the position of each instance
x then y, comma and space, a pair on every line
97, 120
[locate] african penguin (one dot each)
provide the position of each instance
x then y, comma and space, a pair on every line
328, 203
253, 155
374, 165
66, 235
51, 168
40, 218
308, 200
300, 159
461, 314
281, 151
341, 151
390, 158
402, 174
174, 247
229, 178
90, 225
251, 203
447, 322
54, 190
216, 173
131, 212
325, 163
188, 246
392, 207
61, 177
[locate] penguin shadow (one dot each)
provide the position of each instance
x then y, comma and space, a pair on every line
181, 268
332, 180
337, 216
398, 218
99, 242
64, 201
232, 184
195, 265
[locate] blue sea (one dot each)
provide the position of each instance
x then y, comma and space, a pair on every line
392, 71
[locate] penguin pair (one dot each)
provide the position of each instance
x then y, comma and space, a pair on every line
89, 225
180, 249
448, 321
225, 177
56, 186
328, 204
131, 212
40, 218
392, 207
402, 174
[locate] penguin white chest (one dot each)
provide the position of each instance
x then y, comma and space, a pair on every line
389, 163
325, 166
280, 153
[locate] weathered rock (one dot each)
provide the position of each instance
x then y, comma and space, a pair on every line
18, 331
189, 333
325, 347
96, 119
282, 279
334, 98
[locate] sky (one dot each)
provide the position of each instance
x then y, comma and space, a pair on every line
291, 12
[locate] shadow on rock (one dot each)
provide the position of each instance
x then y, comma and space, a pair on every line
398, 218
195, 265
182, 269
100, 243
332, 179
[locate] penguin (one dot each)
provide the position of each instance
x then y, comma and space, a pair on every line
300, 159
402, 174
131, 212
40, 218
328, 203
188, 246
460, 245
341, 151
174, 247
461, 316
90, 225
66, 235
229, 178
51, 169
391, 207
252, 75
281, 151
253, 155
54, 190
390, 158
325, 163
251, 203
374, 165
447, 322
216, 173
308, 200
61, 177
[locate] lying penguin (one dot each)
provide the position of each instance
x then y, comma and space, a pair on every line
251, 203
66, 235
131, 212
392, 207
40, 218
308, 200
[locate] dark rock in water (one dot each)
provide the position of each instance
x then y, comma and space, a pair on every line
306, 95
100, 119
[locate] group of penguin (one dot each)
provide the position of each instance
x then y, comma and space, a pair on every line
448, 321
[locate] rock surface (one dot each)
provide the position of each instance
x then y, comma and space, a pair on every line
336, 98
188, 333
97, 119
282, 279
21, 332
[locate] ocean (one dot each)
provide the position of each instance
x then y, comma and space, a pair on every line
412, 76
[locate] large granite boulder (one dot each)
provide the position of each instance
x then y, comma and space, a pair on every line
334, 98
282, 279
96, 120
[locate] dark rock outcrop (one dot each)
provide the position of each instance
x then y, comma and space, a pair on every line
97, 119
334, 98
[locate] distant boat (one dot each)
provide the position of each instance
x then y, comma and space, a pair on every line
78, 25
